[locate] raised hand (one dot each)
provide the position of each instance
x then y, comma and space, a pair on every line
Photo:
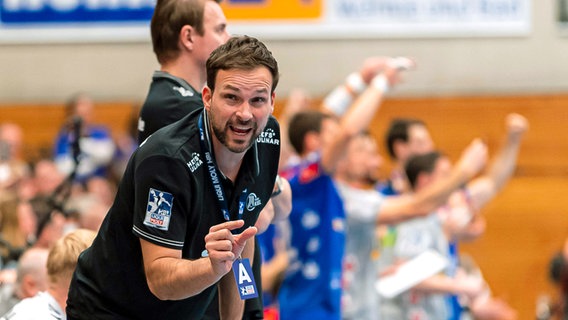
516, 124
223, 247
373, 66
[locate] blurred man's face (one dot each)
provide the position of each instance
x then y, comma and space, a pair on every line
363, 159
419, 140
214, 32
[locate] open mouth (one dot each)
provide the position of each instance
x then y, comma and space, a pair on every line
240, 131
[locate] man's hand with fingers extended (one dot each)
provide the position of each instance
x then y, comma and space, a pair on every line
224, 247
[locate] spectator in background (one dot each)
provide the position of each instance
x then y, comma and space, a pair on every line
312, 287
83, 148
126, 142
50, 221
558, 274
61, 262
89, 209
366, 208
405, 137
30, 278
12, 164
46, 178
442, 230
13, 240
13, 136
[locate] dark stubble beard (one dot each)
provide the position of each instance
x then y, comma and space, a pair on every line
221, 134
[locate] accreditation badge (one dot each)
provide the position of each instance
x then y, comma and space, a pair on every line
245, 279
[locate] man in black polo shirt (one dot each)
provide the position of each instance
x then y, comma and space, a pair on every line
184, 213
184, 33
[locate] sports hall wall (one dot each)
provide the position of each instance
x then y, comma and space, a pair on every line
462, 88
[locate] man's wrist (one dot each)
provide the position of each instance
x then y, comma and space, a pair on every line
381, 83
355, 83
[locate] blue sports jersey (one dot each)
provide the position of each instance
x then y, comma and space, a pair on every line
312, 286
265, 242
452, 300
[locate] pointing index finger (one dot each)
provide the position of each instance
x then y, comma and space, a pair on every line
230, 225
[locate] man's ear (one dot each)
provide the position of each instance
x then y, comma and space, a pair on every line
206, 96
272, 102
186, 37
422, 179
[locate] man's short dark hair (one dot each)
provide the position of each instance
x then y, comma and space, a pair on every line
242, 53
398, 131
301, 124
417, 164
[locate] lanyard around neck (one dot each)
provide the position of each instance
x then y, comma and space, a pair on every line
214, 172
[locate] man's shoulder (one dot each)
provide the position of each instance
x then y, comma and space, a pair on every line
167, 91
163, 82
167, 94
177, 139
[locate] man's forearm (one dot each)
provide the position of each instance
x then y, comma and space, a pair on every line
437, 195
503, 166
176, 279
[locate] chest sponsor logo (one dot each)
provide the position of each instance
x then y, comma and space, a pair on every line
195, 162
252, 201
183, 91
159, 209
268, 136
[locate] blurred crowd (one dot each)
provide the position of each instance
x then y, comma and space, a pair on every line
67, 188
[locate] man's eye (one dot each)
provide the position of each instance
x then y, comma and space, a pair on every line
258, 100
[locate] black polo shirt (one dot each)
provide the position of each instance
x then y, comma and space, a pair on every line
166, 197
169, 99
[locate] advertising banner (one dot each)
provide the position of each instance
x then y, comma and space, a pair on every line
128, 20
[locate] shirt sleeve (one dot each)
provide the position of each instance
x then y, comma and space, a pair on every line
162, 201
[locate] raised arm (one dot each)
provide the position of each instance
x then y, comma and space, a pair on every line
483, 189
360, 114
343, 95
404, 207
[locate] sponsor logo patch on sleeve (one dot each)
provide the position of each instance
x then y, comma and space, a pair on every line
159, 209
